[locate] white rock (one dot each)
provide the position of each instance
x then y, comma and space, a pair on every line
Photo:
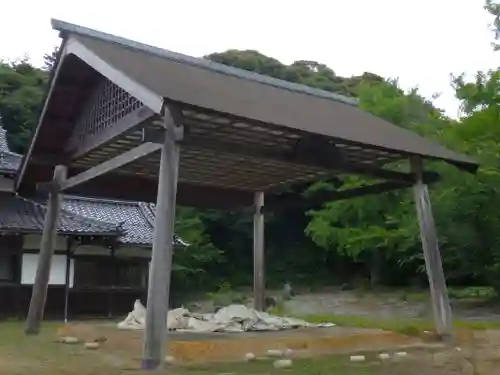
91, 345
458, 349
357, 358
249, 357
69, 340
288, 352
384, 356
169, 360
282, 363
274, 353
400, 354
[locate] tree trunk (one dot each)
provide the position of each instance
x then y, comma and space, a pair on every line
376, 268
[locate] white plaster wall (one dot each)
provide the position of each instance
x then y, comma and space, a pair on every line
57, 270
6, 184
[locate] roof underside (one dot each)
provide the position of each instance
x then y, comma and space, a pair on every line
245, 132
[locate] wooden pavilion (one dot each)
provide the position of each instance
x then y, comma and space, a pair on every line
126, 120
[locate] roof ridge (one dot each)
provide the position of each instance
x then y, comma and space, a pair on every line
147, 212
66, 27
99, 200
4, 145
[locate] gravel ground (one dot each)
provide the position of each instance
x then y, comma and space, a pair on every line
347, 303
382, 306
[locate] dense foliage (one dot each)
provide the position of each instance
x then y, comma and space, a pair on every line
373, 239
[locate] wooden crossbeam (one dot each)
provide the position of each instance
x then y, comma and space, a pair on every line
111, 164
327, 162
295, 201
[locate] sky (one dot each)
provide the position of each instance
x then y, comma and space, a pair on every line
419, 42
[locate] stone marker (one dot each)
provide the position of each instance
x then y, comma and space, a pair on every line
69, 340
357, 358
169, 360
282, 363
91, 345
249, 357
275, 353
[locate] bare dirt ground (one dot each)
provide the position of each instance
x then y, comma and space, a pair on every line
475, 352
478, 353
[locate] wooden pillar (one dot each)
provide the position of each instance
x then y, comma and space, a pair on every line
67, 278
259, 282
437, 282
18, 279
39, 294
155, 335
114, 281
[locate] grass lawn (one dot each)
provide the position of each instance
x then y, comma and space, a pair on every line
40, 355
406, 326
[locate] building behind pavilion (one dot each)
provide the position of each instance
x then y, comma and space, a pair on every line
100, 264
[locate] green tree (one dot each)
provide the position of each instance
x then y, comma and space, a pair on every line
377, 228
21, 92
493, 7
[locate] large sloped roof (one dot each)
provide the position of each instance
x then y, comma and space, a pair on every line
206, 84
244, 132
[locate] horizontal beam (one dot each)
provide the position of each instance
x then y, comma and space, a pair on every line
112, 186
328, 160
296, 201
108, 186
111, 164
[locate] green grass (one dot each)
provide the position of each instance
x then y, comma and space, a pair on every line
328, 365
40, 355
403, 325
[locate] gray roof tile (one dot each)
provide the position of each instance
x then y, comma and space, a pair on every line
133, 220
136, 218
22, 215
9, 161
4, 146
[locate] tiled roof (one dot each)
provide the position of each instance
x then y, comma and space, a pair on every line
136, 218
133, 220
3, 139
22, 215
9, 161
